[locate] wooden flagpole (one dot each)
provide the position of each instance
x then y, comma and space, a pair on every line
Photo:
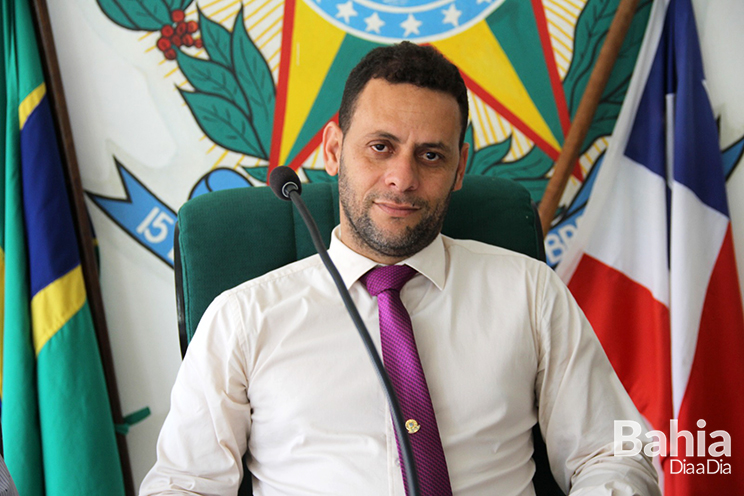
80, 218
585, 113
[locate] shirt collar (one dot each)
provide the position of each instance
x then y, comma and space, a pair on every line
430, 262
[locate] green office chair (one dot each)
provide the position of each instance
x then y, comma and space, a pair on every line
227, 237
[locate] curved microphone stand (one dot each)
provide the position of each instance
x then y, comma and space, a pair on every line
287, 186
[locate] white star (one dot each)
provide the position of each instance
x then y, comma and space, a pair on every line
374, 23
411, 25
483, 1
346, 10
451, 15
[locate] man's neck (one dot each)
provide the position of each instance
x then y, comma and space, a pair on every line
352, 241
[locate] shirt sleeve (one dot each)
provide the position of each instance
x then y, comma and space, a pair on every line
7, 486
203, 439
579, 397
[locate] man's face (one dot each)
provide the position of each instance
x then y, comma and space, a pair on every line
398, 163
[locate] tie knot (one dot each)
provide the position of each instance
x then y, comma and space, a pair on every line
387, 277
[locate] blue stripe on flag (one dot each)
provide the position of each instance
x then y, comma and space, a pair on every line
677, 69
696, 132
646, 143
50, 234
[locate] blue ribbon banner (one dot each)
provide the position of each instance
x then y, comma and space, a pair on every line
141, 214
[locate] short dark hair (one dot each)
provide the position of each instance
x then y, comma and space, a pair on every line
422, 66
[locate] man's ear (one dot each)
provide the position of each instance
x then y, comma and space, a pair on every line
333, 138
461, 165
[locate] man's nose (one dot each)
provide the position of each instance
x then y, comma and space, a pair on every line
403, 173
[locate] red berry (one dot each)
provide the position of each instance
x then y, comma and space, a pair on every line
177, 15
164, 44
198, 43
176, 40
188, 40
167, 31
181, 29
170, 54
192, 26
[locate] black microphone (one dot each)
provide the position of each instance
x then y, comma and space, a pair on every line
287, 186
284, 180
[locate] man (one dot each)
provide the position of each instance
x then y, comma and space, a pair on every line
276, 370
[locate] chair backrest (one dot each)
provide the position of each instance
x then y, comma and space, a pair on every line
227, 237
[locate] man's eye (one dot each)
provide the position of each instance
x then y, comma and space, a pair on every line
431, 156
379, 147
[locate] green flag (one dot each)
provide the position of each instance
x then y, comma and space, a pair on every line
57, 426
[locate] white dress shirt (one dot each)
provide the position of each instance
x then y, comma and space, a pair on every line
277, 369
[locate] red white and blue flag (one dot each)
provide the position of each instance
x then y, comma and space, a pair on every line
652, 264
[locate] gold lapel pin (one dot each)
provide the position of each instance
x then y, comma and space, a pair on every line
412, 426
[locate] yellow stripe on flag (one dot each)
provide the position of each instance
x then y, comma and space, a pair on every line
478, 54
54, 305
30, 103
315, 43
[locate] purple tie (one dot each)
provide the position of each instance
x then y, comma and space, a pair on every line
404, 368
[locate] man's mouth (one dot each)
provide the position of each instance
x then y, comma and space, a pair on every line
396, 209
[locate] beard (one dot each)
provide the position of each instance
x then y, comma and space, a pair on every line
403, 245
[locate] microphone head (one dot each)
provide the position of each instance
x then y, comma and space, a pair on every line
283, 180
